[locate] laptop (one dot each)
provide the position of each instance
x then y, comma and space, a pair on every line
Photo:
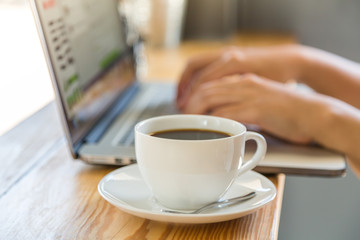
94, 74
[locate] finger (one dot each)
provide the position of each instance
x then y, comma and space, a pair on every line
230, 63
236, 85
199, 62
204, 103
211, 95
194, 65
265, 120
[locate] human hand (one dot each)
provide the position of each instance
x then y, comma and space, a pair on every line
250, 99
278, 63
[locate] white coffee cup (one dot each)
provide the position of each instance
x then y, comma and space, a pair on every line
188, 174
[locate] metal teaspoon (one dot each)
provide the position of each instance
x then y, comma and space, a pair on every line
217, 204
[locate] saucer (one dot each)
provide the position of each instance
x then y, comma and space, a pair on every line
125, 189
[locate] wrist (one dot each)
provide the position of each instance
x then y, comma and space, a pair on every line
334, 124
320, 120
311, 115
311, 65
287, 61
300, 61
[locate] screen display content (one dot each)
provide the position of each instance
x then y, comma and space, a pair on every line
88, 81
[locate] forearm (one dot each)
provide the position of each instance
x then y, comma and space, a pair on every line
330, 74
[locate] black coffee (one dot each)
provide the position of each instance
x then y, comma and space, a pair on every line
190, 134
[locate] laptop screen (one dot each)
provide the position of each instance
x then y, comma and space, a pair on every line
89, 59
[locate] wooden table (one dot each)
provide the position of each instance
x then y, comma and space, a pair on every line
45, 194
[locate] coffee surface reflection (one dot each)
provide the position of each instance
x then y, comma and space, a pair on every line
190, 134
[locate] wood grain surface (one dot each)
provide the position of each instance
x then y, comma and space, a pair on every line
59, 200
45, 194
25, 145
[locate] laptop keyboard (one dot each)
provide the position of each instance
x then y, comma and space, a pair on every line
158, 103
159, 110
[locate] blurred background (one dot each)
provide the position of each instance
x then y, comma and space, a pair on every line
313, 208
327, 24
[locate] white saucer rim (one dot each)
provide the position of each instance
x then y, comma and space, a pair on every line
181, 218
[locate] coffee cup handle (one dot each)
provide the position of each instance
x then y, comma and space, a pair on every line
258, 155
